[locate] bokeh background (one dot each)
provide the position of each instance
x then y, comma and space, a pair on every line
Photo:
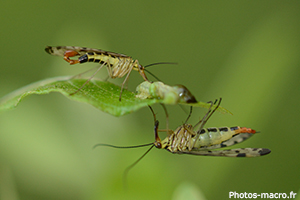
246, 52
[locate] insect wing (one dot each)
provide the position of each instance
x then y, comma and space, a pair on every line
243, 152
60, 51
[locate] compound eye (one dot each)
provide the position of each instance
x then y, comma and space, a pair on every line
141, 67
158, 145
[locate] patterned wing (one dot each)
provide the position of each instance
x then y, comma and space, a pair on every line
243, 152
60, 51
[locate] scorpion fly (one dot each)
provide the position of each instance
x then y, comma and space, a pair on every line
186, 140
118, 65
169, 94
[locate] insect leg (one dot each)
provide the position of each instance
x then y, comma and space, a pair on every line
71, 53
141, 70
203, 121
191, 110
109, 70
79, 75
167, 117
126, 78
157, 142
154, 116
88, 80
208, 114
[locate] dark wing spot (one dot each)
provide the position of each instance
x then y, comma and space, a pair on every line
223, 145
97, 60
241, 155
264, 151
49, 50
90, 53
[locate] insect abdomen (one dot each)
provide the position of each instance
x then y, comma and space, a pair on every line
98, 58
214, 136
119, 66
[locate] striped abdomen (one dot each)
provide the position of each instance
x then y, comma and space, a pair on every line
209, 138
215, 136
117, 66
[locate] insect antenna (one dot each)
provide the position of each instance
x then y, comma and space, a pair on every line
152, 74
172, 63
132, 165
153, 144
121, 147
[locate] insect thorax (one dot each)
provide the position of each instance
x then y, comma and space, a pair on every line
180, 140
137, 66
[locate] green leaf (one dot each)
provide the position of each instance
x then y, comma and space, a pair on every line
102, 95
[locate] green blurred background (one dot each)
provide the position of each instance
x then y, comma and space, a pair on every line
246, 52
